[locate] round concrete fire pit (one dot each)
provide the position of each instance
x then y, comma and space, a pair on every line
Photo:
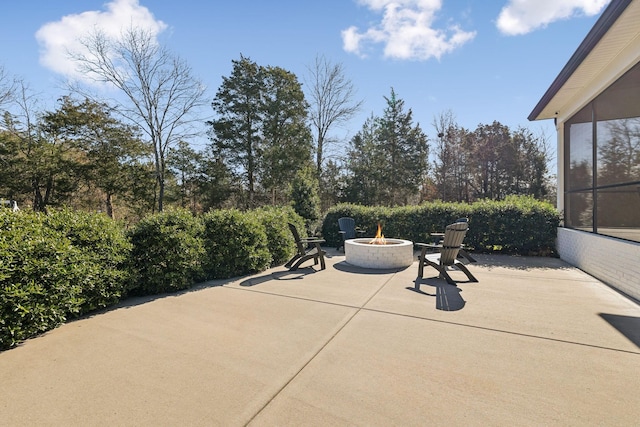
396, 253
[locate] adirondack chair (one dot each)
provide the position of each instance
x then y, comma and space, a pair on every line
348, 230
447, 256
463, 254
307, 248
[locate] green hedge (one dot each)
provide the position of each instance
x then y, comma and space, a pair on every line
280, 241
168, 252
56, 267
236, 244
516, 225
106, 249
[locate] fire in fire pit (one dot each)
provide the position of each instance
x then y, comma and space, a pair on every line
379, 237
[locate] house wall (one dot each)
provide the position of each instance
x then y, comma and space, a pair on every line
615, 262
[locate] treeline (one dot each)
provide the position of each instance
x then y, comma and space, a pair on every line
269, 144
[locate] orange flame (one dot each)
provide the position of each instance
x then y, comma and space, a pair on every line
379, 238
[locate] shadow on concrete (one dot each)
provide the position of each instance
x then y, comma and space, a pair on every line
629, 326
348, 268
447, 296
279, 275
136, 300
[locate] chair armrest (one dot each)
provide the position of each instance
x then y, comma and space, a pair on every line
312, 240
428, 245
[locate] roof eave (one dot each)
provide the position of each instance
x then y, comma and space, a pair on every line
600, 28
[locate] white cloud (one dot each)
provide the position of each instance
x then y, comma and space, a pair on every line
523, 16
58, 38
407, 31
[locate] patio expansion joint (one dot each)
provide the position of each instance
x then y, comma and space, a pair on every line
503, 331
321, 349
363, 307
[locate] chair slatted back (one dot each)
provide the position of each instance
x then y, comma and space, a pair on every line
453, 238
296, 237
348, 225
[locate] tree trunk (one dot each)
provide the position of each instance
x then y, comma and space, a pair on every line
319, 156
38, 202
160, 194
109, 205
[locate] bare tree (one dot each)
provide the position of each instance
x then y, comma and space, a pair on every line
7, 87
445, 125
160, 92
332, 102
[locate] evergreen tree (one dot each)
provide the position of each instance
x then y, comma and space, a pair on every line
286, 137
216, 183
185, 162
364, 165
332, 185
39, 164
260, 131
405, 151
236, 133
105, 147
304, 195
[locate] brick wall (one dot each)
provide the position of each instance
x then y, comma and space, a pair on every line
613, 261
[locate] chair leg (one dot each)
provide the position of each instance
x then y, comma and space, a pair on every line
466, 255
444, 275
318, 256
321, 256
300, 261
421, 265
292, 260
466, 271
442, 272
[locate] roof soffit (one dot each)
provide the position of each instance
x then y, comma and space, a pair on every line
623, 34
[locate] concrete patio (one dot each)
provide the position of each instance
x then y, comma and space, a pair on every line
534, 342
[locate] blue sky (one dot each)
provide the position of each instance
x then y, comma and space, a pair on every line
483, 60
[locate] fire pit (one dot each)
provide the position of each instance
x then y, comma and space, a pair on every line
379, 253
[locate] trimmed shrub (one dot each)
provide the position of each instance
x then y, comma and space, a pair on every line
55, 267
37, 273
104, 244
236, 244
516, 225
167, 252
280, 241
